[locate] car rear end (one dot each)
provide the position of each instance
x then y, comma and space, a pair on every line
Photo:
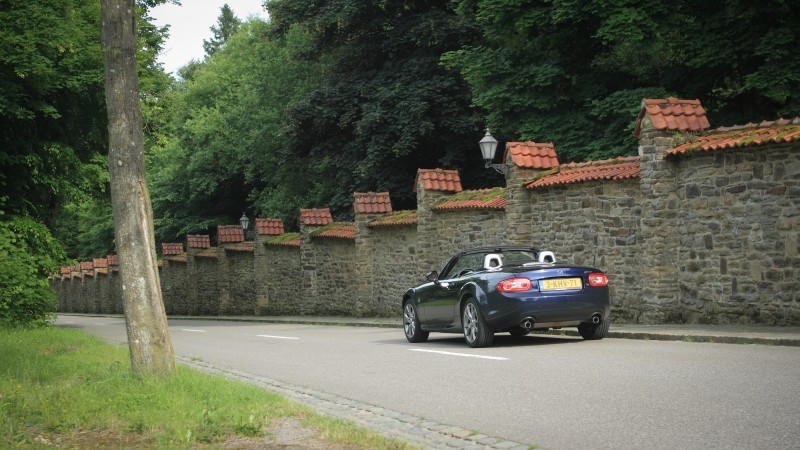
539, 296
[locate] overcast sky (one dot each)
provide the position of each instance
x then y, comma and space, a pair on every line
191, 23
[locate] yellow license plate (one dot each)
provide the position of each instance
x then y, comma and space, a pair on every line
558, 284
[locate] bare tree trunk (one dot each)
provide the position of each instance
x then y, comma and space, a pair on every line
148, 335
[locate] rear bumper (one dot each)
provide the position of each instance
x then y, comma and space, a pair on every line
568, 308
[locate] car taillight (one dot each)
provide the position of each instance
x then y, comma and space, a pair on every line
514, 285
598, 279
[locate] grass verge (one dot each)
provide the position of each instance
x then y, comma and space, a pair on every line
62, 388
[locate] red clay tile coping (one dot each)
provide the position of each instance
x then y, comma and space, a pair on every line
532, 155
100, 263
210, 252
286, 239
672, 114
341, 230
494, 198
198, 241
112, 260
315, 216
177, 258
396, 218
87, 265
750, 135
65, 270
607, 169
438, 180
171, 248
269, 227
372, 202
240, 247
230, 234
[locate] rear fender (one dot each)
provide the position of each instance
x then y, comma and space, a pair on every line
471, 290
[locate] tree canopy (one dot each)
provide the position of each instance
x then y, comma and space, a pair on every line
574, 72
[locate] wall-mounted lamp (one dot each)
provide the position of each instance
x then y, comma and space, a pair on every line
488, 147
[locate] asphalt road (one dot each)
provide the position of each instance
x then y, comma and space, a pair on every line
551, 391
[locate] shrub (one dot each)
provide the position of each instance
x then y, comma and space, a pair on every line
28, 253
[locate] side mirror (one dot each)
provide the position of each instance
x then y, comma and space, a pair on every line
547, 257
432, 276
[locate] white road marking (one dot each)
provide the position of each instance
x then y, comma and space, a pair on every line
194, 331
496, 358
98, 323
277, 337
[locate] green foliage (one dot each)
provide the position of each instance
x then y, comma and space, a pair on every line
28, 254
385, 106
227, 25
229, 148
574, 73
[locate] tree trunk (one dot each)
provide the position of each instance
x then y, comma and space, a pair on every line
148, 335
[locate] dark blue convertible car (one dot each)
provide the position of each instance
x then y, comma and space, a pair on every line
488, 290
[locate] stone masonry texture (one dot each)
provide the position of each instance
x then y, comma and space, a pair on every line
707, 237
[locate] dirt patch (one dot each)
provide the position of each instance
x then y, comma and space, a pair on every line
282, 434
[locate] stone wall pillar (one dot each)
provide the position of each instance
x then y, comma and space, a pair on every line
194, 245
367, 207
660, 231
431, 186
310, 220
264, 229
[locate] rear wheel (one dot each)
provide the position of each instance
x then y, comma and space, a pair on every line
476, 331
594, 331
411, 325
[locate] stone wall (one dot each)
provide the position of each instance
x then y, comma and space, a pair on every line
701, 235
395, 268
592, 224
284, 293
738, 259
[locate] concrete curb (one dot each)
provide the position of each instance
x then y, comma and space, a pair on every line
788, 336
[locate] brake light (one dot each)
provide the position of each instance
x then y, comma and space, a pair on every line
598, 279
514, 285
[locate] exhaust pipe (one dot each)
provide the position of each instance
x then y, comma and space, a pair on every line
596, 318
527, 324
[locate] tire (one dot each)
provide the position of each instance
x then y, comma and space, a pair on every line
476, 331
411, 325
594, 331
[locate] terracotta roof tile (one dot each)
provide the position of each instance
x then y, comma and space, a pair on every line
112, 260
407, 217
65, 270
100, 263
269, 227
171, 248
532, 155
438, 180
315, 216
672, 114
87, 265
286, 239
198, 241
478, 199
230, 234
607, 169
342, 230
372, 202
750, 135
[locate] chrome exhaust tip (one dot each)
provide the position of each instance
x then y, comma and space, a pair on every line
596, 318
527, 324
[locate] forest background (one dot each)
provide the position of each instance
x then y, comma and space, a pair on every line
330, 97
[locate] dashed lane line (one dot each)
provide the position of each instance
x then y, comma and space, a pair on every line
277, 337
193, 331
468, 355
